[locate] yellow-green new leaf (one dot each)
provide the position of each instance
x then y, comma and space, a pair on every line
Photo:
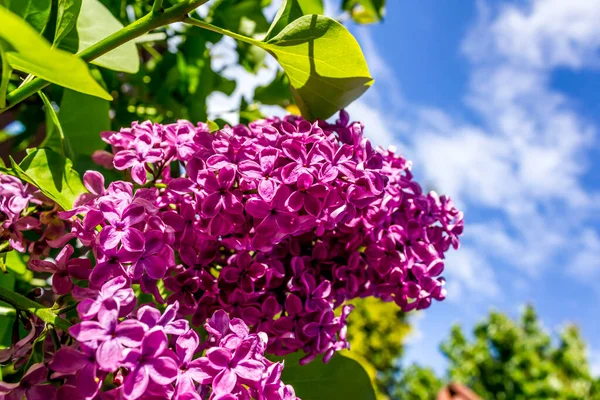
291, 10
324, 62
31, 53
55, 137
53, 174
95, 23
34, 12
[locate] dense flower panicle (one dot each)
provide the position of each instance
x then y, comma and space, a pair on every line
265, 231
149, 354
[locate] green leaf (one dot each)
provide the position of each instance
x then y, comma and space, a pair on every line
96, 22
82, 118
16, 264
53, 174
324, 63
291, 10
23, 303
341, 378
31, 53
6, 72
276, 93
365, 11
66, 18
7, 315
34, 12
55, 138
212, 126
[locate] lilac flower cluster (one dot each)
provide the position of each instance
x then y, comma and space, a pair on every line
146, 354
261, 233
278, 223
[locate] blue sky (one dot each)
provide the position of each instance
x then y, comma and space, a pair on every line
498, 105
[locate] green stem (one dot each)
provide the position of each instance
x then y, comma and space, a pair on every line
157, 6
207, 26
23, 303
149, 22
6, 72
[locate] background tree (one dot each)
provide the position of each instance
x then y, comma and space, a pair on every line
511, 360
377, 331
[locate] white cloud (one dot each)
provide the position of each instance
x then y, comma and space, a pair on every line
468, 273
586, 263
540, 34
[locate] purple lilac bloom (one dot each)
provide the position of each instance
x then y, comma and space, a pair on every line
270, 230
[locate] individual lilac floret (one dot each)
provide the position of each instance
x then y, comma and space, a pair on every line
63, 269
109, 336
236, 365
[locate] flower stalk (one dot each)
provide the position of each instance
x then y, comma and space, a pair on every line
23, 303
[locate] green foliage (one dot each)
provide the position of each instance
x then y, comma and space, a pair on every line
512, 360
377, 331
365, 11
417, 383
82, 117
53, 174
55, 138
96, 22
66, 18
31, 53
341, 378
290, 11
244, 17
324, 63
34, 12
23, 303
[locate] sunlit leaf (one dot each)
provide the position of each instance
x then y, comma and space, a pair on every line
341, 378
212, 126
34, 12
95, 23
66, 18
291, 10
53, 174
31, 53
82, 118
55, 138
324, 63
